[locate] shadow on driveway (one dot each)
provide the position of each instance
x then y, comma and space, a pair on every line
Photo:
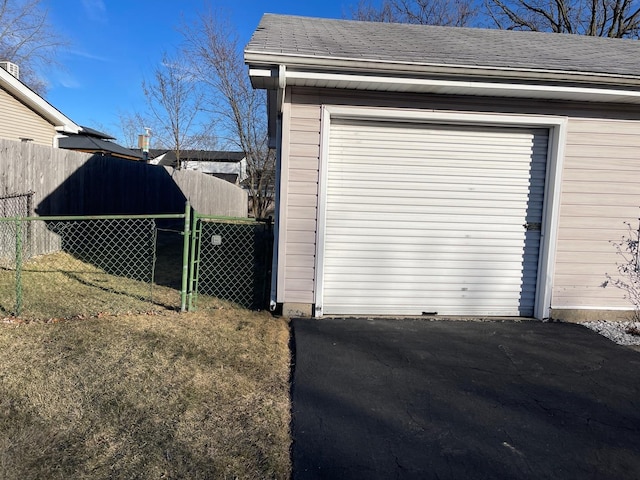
418, 399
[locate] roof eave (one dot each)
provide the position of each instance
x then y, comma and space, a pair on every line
267, 78
408, 69
34, 101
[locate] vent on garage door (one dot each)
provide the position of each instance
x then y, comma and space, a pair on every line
424, 218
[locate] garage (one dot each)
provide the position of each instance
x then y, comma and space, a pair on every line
425, 170
431, 219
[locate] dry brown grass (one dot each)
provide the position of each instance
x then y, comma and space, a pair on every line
61, 286
163, 395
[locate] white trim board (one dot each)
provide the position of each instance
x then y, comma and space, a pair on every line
557, 133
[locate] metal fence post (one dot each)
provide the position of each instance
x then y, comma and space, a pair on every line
185, 256
18, 267
195, 261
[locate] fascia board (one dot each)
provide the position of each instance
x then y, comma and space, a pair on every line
324, 63
34, 101
474, 87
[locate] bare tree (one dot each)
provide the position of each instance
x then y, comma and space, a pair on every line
457, 13
603, 18
174, 99
129, 126
214, 51
28, 40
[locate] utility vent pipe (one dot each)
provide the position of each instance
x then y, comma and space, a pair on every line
12, 68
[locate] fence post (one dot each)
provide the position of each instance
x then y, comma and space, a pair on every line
18, 267
185, 256
195, 261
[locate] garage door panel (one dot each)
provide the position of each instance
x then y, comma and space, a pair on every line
432, 218
433, 244
441, 299
469, 184
465, 210
379, 227
410, 310
359, 186
418, 196
408, 291
376, 256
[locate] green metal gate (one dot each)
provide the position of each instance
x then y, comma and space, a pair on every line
231, 260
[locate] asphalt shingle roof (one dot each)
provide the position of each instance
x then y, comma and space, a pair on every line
201, 155
446, 46
92, 143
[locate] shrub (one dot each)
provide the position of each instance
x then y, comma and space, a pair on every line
628, 268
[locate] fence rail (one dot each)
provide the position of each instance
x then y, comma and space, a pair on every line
80, 265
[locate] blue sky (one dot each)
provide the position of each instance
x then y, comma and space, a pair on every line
116, 43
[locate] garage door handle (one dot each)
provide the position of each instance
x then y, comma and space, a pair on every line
532, 227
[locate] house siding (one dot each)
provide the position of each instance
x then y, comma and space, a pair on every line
599, 193
599, 187
19, 121
301, 203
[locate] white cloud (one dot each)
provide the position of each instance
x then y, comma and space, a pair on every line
87, 55
96, 10
66, 80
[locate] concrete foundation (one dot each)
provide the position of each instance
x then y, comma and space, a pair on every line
305, 310
297, 310
579, 316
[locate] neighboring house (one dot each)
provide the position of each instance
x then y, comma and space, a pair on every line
434, 170
25, 115
92, 141
227, 165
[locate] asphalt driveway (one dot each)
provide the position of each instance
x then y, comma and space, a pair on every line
385, 399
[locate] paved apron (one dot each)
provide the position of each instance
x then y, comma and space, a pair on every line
418, 399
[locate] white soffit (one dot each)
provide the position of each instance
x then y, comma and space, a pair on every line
262, 78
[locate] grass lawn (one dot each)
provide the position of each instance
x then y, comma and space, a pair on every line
201, 395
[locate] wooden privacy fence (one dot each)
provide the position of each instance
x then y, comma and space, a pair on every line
65, 182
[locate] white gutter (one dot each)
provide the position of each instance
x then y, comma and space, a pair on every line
429, 85
281, 95
329, 63
282, 85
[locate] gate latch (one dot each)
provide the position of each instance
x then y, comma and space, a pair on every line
532, 227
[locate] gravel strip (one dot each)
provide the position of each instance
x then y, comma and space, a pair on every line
618, 332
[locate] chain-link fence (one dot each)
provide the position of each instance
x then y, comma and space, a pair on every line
232, 260
61, 267
68, 266
13, 206
16, 205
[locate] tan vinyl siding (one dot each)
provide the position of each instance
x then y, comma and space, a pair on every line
19, 121
600, 192
301, 210
600, 187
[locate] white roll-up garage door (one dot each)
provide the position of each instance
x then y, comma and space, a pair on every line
432, 219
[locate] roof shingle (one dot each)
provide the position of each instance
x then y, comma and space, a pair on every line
446, 46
